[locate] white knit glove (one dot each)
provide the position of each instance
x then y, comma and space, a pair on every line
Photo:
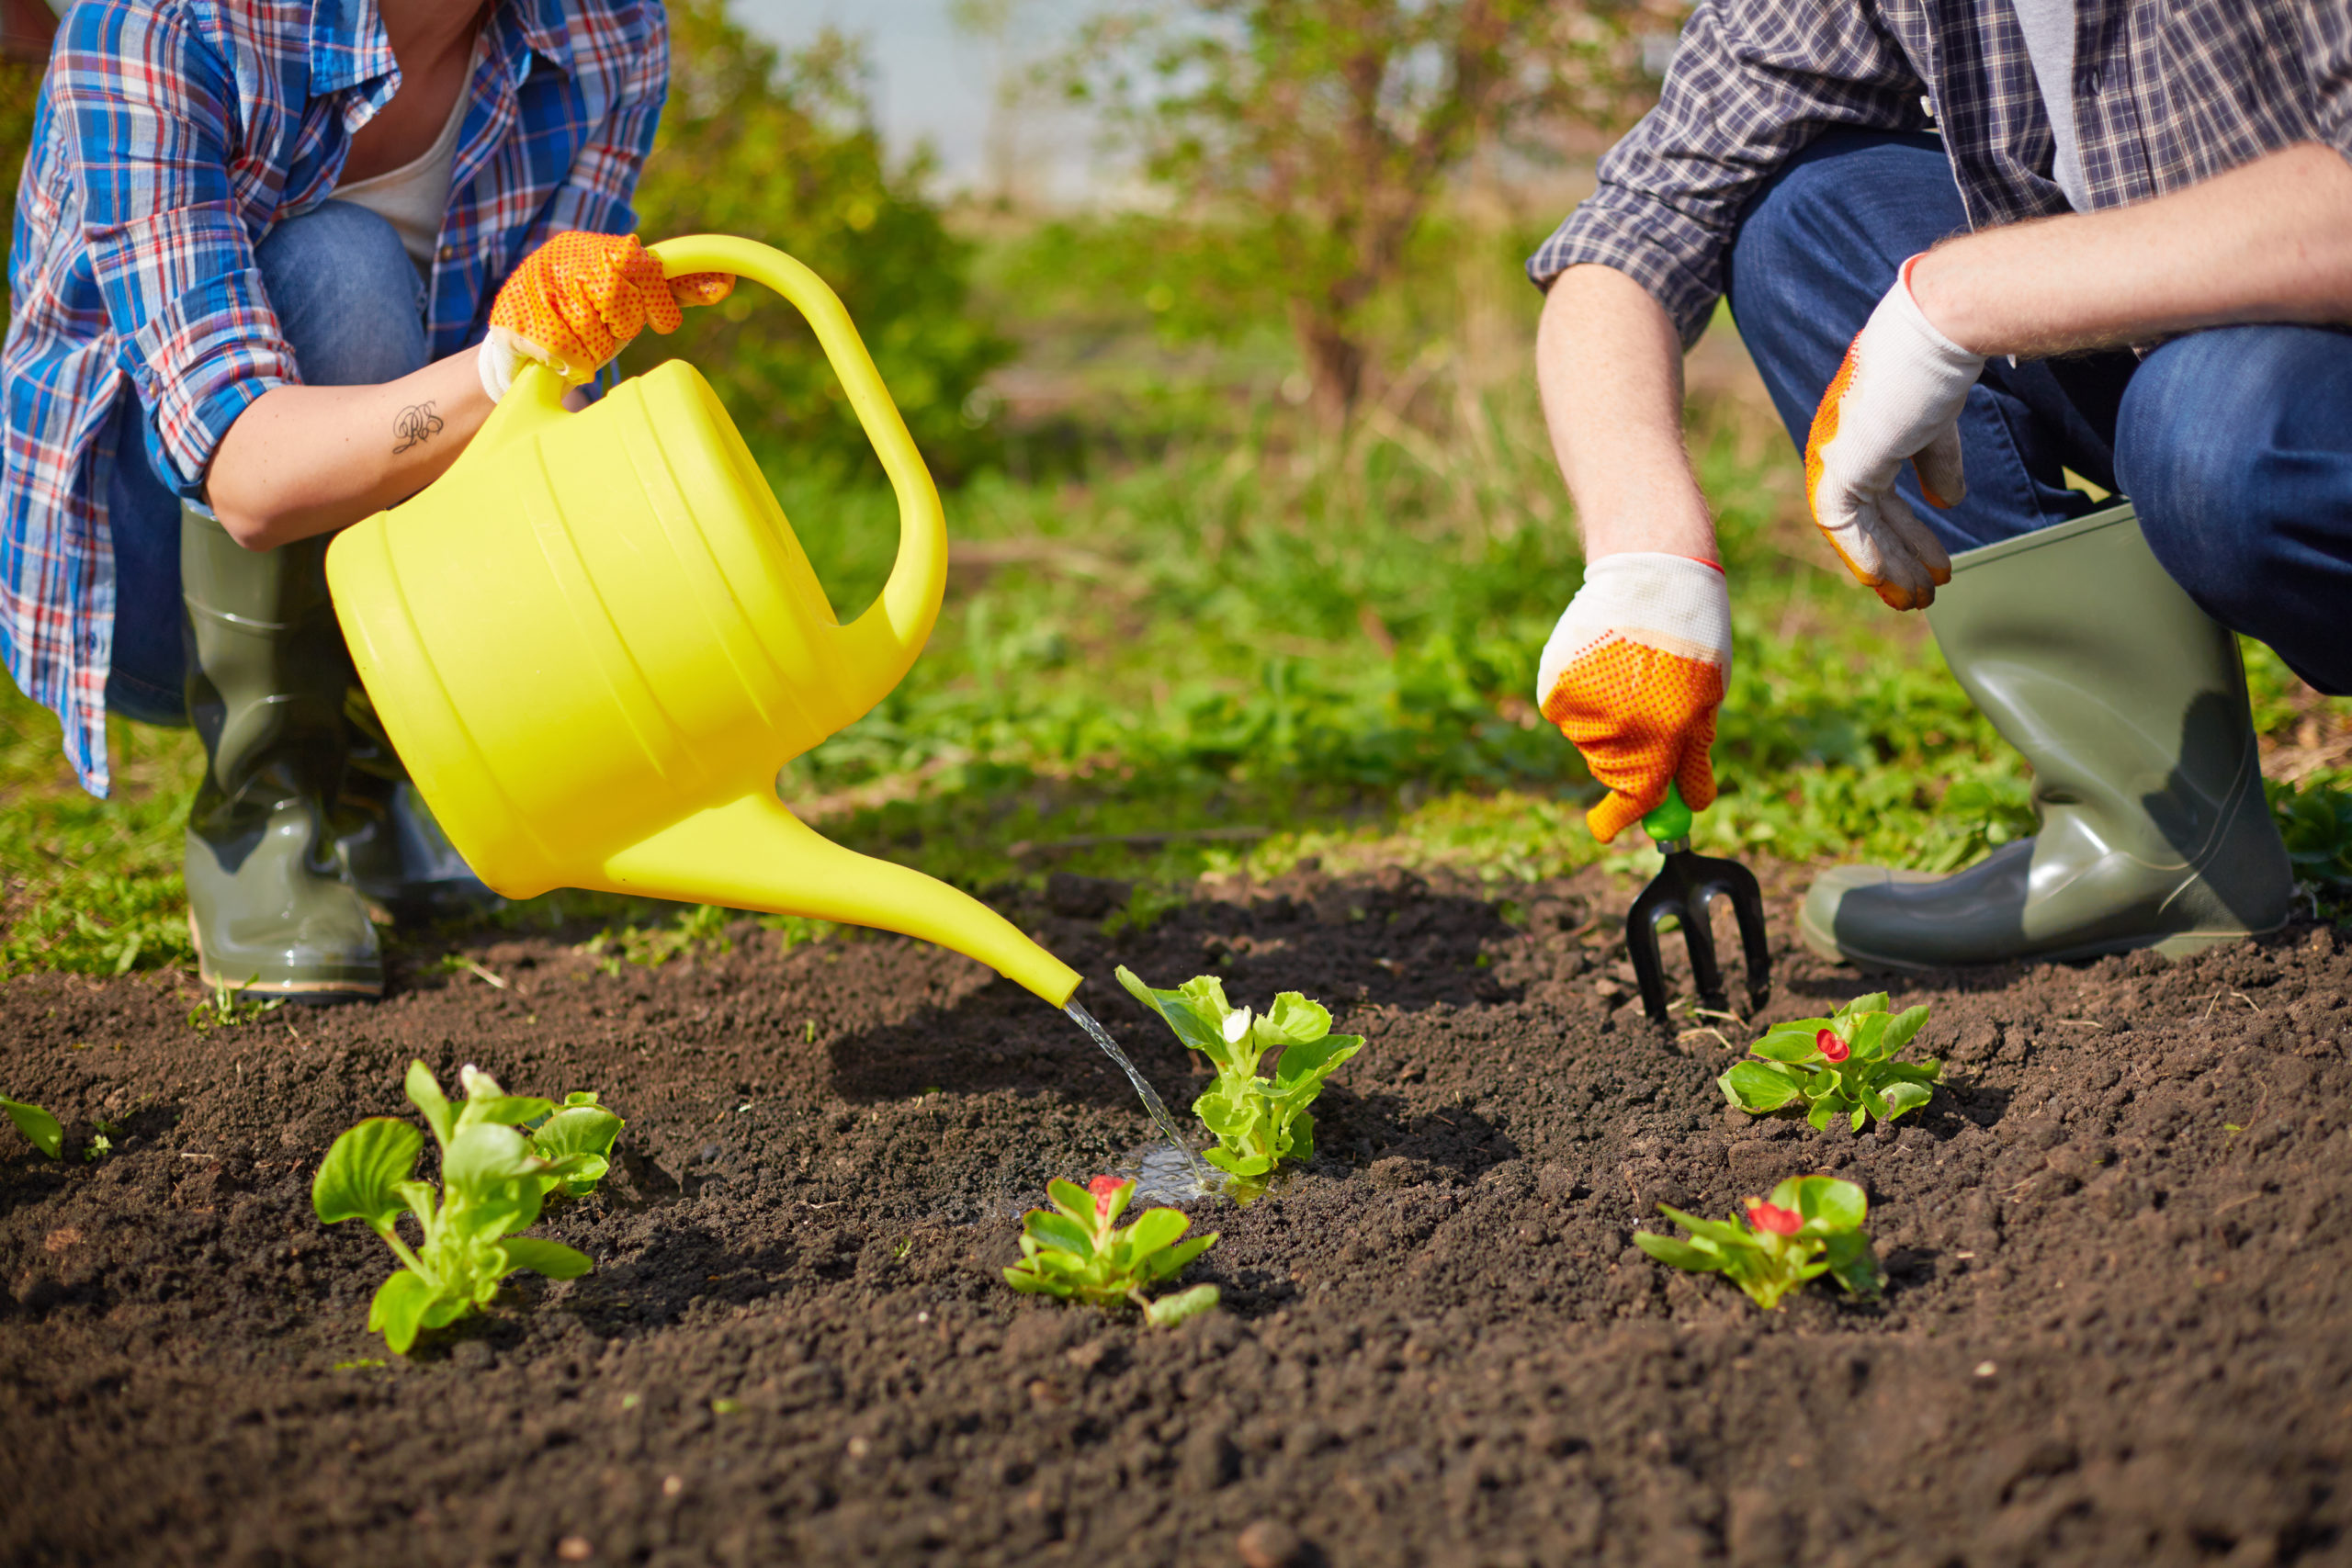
1634, 674
1897, 396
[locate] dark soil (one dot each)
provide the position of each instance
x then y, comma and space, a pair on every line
2118, 1329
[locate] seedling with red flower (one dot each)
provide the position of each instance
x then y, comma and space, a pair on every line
1835, 1066
1078, 1250
1811, 1226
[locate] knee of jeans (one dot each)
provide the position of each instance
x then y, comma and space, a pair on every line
2194, 463
346, 293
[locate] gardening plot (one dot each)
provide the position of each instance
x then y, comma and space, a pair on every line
2114, 1329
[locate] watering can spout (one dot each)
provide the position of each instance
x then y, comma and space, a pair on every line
753, 854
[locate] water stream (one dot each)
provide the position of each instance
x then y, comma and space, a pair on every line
1192, 1166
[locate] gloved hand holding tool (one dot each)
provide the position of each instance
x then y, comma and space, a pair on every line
1634, 674
576, 302
1897, 397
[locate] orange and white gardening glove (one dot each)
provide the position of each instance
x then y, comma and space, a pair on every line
1897, 397
1634, 674
576, 302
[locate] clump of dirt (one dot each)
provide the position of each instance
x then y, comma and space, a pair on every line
2115, 1330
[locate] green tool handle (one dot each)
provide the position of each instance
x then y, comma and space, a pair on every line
1672, 820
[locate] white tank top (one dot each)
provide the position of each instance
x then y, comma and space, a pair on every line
415, 197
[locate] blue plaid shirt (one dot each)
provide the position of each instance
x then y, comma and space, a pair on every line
172, 135
2167, 92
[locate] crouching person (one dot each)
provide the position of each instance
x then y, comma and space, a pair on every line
273, 267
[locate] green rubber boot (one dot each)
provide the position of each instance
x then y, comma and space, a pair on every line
266, 672
392, 848
2131, 705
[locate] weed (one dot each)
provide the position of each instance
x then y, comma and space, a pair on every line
226, 1006
40, 1128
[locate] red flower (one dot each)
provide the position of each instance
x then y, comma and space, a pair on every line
1829, 1045
1106, 1191
1780, 1222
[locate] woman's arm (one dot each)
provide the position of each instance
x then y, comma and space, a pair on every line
306, 461
2270, 241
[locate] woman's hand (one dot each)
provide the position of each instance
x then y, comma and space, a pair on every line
577, 300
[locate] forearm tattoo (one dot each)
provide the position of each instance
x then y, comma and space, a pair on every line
415, 425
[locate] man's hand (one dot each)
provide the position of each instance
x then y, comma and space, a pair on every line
1634, 674
577, 300
1897, 397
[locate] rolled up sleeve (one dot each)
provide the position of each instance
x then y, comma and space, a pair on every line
2327, 57
597, 190
1752, 82
146, 105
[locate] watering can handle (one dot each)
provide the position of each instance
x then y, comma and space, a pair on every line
893, 630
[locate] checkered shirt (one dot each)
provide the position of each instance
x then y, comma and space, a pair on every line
171, 136
2167, 92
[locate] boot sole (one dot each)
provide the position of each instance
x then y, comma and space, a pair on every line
294, 990
2175, 945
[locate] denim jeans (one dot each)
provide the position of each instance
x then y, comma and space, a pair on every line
352, 306
2233, 443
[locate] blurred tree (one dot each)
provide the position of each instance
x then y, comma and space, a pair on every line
782, 148
1304, 142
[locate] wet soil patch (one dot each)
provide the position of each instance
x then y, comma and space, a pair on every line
2117, 1330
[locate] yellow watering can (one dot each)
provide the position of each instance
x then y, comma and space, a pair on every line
594, 640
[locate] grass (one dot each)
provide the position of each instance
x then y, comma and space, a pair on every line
1237, 651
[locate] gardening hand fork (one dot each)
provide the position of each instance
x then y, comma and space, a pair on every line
1684, 888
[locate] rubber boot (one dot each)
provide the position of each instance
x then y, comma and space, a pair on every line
2131, 705
266, 672
392, 848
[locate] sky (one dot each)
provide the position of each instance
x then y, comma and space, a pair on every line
930, 82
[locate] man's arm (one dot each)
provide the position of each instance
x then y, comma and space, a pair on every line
1609, 364
2270, 241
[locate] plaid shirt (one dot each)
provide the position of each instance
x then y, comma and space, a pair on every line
172, 135
2167, 92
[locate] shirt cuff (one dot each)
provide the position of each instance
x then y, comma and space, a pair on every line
1593, 234
200, 362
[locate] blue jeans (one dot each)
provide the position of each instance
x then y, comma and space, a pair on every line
352, 306
2233, 443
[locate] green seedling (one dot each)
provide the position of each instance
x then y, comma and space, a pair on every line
1076, 1250
39, 1126
1259, 1122
1811, 1226
1835, 1066
227, 1006
501, 1155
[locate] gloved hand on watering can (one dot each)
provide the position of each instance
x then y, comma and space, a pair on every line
1632, 675
577, 300
1896, 397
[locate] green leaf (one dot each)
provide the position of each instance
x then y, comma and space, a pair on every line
1850, 1261
1298, 1138
485, 1153
1785, 1046
1874, 1002
1175, 1309
398, 1309
1293, 1021
424, 1093
1197, 1013
1902, 1026
1075, 1202
1155, 1230
1719, 1232
1828, 1202
422, 1200
1161, 1265
505, 1109
363, 1173
38, 1125
1058, 1231
1677, 1254
1304, 1067
1820, 1116
1238, 1165
551, 1259
1861, 1115
1905, 1095
1759, 1087
586, 1131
